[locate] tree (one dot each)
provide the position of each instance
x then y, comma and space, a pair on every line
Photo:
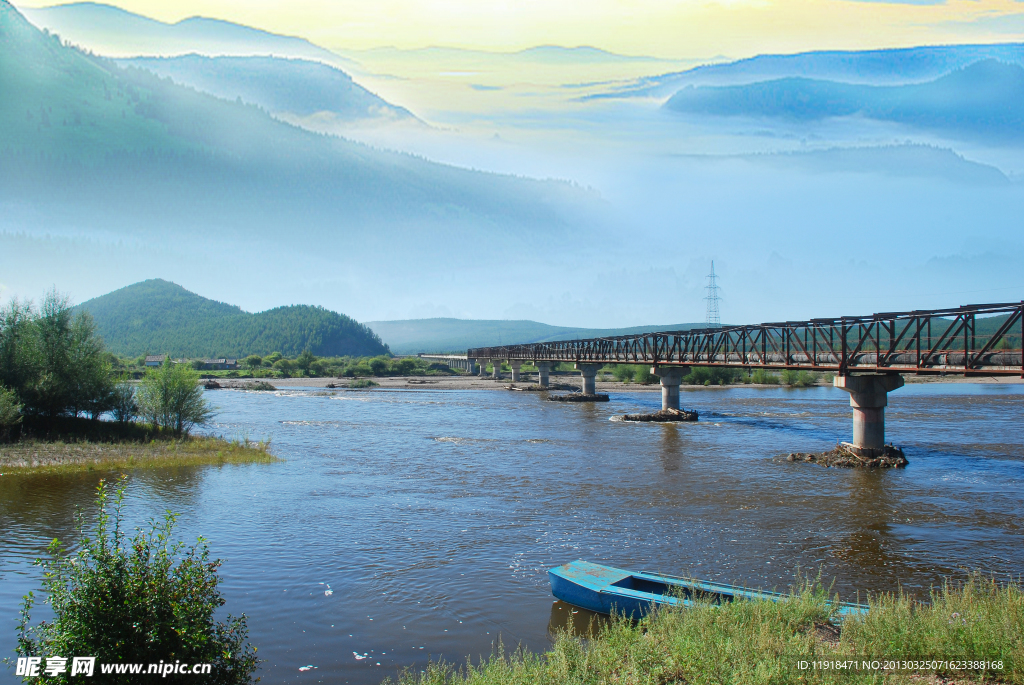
10, 413
141, 600
253, 361
378, 365
19, 359
170, 396
74, 375
124, 405
305, 360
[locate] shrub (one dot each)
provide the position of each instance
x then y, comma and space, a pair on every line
378, 366
764, 377
799, 379
642, 374
140, 600
623, 373
705, 375
363, 383
170, 396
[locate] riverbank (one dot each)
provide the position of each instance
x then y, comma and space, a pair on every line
779, 642
58, 456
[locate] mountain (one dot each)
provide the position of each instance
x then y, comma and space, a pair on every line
412, 336
876, 67
116, 32
280, 86
983, 99
159, 317
100, 149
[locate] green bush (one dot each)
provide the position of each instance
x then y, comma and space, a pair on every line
642, 374
764, 377
170, 396
363, 383
140, 600
799, 379
712, 375
623, 373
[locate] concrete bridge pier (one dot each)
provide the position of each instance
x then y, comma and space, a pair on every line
671, 377
472, 367
483, 367
869, 394
543, 373
516, 365
589, 373
496, 372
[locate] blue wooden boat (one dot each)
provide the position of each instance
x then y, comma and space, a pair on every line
600, 588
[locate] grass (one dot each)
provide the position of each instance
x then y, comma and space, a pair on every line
762, 642
363, 383
58, 456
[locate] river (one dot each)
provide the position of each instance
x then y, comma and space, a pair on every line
413, 525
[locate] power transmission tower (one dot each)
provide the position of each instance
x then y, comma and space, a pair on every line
714, 320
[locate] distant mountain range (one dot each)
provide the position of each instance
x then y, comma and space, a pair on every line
413, 336
280, 86
114, 32
158, 317
123, 152
870, 67
985, 99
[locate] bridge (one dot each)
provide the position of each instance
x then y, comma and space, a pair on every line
867, 354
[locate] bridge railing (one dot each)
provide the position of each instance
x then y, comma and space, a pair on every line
933, 341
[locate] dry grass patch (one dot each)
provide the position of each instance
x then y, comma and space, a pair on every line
64, 457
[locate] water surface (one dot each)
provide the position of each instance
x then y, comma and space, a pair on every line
432, 516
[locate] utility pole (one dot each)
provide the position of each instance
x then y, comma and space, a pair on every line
713, 319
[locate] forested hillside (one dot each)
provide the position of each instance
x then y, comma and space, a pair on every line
159, 317
116, 150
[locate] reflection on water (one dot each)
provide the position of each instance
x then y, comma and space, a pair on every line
576, 620
435, 515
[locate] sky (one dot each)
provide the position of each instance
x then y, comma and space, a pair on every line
675, 29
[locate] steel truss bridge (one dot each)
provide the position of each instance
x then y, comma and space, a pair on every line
919, 342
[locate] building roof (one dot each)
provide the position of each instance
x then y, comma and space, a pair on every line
156, 357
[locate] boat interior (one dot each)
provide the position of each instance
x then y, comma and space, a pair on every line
668, 589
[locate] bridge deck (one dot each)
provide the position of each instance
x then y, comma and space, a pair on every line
921, 342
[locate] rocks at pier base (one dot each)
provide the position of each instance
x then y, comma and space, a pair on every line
663, 416
846, 456
579, 397
211, 385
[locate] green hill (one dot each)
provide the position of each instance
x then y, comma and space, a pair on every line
159, 317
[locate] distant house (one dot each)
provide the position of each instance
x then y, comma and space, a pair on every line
220, 364
155, 359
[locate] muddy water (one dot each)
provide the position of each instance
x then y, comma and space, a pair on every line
432, 516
